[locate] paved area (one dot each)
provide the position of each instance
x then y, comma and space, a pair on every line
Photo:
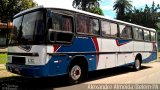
149, 74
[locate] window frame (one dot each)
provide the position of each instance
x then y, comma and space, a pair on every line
62, 13
149, 35
110, 22
66, 15
89, 18
126, 25
109, 29
154, 36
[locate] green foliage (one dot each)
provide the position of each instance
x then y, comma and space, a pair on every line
96, 10
3, 58
88, 5
121, 6
148, 17
8, 8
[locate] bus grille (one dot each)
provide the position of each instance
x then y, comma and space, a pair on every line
18, 60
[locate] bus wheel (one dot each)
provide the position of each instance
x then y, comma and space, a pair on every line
75, 73
137, 64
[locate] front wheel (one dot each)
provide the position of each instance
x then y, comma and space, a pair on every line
75, 73
137, 64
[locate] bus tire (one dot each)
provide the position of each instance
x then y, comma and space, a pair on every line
76, 73
137, 64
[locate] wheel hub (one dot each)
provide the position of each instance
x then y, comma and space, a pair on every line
76, 72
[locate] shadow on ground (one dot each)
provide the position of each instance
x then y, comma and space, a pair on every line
24, 83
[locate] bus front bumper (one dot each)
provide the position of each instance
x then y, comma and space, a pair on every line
27, 70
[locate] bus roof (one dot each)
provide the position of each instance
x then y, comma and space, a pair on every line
84, 12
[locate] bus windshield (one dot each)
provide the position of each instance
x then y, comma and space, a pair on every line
28, 29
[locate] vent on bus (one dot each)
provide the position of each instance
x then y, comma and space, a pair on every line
18, 60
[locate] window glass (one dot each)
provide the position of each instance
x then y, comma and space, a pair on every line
146, 35
114, 30
136, 33
125, 31
67, 24
94, 26
105, 28
153, 36
82, 24
140, 33
62, 23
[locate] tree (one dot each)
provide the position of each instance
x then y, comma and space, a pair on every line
96, 10
121, 6
88, 5
8, 8
148, 17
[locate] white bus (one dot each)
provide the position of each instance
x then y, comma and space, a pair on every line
56, 41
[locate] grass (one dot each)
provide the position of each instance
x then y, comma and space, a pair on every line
3, 58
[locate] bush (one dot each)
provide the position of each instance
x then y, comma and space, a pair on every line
3, 58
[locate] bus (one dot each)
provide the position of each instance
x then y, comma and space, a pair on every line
57, 41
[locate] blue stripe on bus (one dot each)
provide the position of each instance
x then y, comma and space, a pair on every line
152, 57
77, 46
121, 42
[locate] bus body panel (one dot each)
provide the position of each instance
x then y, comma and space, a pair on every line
100, 52
54, 60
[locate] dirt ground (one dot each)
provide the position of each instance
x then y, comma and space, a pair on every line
4, 72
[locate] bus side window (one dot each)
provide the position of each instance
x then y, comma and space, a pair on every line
82, 24
105, 29
94, 27
136, 33
141, 36
60, 22
67, 24
57, 22
125, 32
114, 29
146, 35
153, 36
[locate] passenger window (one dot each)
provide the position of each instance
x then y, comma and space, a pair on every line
153, 36
125, 31
61, 23
114, 29
105, 28
146, 35
82, 24
138, 34
94, 26
60, 28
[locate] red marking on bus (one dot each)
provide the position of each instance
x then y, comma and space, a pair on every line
56, 47
97, 47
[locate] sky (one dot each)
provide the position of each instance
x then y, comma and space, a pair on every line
106, 5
